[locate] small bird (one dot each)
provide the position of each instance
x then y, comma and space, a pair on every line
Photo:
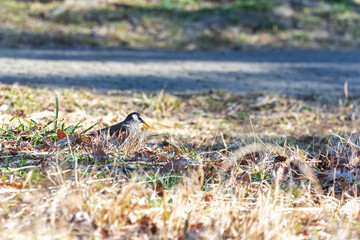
131, 121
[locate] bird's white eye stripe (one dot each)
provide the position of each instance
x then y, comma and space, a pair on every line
135, 117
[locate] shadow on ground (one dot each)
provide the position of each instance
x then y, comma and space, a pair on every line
295, 72
154, 55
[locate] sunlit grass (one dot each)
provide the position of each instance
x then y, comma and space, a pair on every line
213, 165
180, 24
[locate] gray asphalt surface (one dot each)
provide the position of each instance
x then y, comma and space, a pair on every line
299, 72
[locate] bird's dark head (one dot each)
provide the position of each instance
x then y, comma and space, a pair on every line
136, 117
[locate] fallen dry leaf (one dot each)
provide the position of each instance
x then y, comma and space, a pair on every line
15, 145
196, 226
100, 155
162, 158
208, 197
245, 178
60, 134
175, 165
12, 184
148, 152
159, 189
279, 159
147, 222
79, 139
249, 158
104, 233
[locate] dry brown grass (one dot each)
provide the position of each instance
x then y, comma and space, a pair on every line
180, 24
235, 183
118, 208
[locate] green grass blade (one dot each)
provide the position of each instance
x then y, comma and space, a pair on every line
56, 113
91, 127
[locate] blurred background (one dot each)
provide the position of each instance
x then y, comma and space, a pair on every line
180, 24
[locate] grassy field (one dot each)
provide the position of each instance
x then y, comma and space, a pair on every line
180, 24
216, 165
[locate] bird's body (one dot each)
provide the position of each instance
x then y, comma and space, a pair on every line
132, 121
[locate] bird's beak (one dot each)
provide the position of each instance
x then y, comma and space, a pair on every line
146, 124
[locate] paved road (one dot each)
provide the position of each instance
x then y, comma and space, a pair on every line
300, 72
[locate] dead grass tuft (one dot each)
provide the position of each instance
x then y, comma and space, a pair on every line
200, 172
